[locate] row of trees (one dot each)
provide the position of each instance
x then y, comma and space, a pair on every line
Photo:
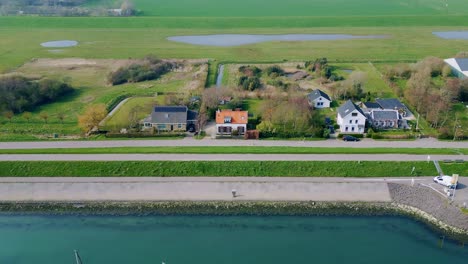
28, 116
65, 8
430, 89
150, 68
20, 93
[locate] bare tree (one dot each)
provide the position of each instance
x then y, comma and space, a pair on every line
44, 116
61, 116
27, 116
9, 115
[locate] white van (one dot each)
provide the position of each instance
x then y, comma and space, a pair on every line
447, 181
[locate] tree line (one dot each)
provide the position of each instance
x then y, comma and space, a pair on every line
65, 8
21, 94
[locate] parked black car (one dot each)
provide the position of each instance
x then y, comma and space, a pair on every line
350, 138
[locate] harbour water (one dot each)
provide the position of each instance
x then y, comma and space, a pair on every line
227, 239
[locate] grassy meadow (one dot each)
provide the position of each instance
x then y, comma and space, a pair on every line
216, 168
248, 8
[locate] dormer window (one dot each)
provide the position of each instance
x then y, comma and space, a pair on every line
354, 114
227, 120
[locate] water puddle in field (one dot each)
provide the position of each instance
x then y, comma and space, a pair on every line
60, 44
452, 34
229, 40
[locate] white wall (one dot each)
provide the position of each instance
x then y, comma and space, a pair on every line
321, 99
352, 124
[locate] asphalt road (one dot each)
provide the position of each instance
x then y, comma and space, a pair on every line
227, 157
190, 142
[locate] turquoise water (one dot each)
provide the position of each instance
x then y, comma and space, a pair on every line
210, 240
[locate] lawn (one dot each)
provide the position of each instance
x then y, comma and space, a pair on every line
240, 150
142, 106
215, 168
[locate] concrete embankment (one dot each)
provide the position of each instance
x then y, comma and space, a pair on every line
430, 206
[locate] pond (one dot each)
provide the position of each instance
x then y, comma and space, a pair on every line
229, 40
153, 239
60, 44
452, 34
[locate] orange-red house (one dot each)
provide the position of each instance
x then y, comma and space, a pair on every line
229, 120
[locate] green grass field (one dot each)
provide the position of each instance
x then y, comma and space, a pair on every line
20, 38
240, 150
249, 8
216, 168
141, 105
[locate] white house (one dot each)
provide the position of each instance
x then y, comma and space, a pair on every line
351, 118
459, 66
319, 99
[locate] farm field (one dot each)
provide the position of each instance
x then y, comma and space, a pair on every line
247, 8
123, 38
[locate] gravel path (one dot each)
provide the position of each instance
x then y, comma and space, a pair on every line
429, 201
226, 157
365, 143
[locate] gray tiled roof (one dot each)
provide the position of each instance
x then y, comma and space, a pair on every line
384, 115
390, 103
169, 115
372, 105
348, 107
462, 63
316, 94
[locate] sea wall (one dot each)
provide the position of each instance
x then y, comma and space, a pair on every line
310, 208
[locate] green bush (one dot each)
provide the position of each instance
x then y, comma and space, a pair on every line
274, 71
149, 69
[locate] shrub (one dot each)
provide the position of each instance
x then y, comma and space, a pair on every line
250, 71
149, 69
274, 70
249, 83
19, 93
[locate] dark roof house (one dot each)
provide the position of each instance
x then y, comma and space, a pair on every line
348, 107
385, 115
169, 115
394, 104
315, 94
371, 105
390, 103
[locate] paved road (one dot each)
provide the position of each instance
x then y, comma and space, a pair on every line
226, 157
366, 143
209, 188
194, 189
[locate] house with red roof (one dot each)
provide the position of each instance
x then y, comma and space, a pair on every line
228, 121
